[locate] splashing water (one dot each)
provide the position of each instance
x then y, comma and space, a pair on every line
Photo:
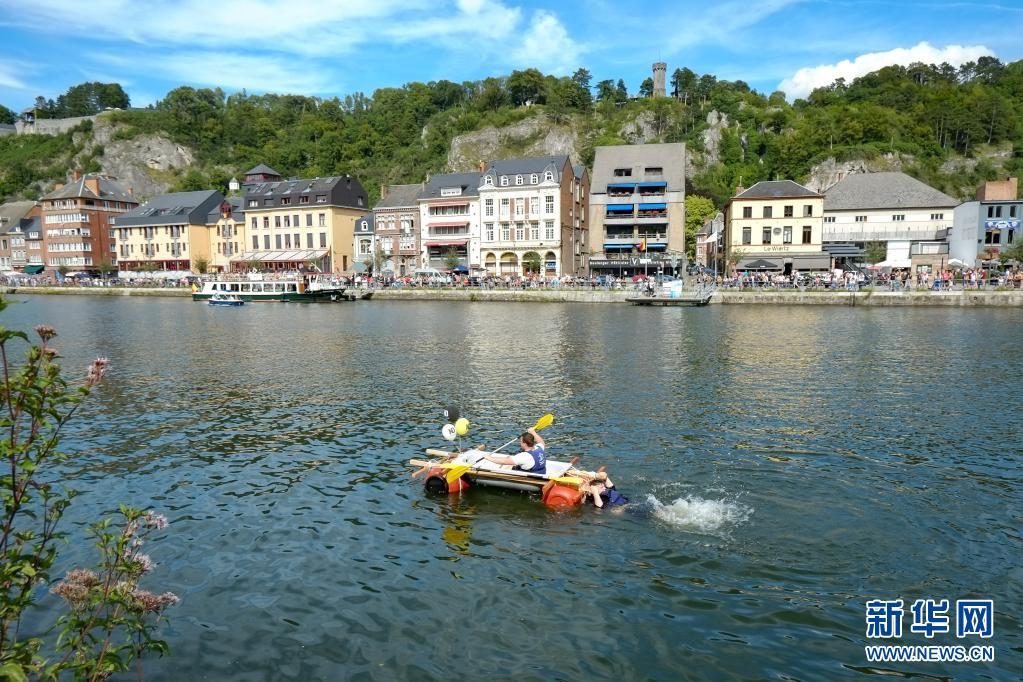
704, 516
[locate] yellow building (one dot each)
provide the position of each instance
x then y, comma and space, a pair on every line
776, 226
292, 224
171, 234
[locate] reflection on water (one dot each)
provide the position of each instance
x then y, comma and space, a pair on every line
788, 464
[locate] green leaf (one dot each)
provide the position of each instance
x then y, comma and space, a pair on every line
13, 672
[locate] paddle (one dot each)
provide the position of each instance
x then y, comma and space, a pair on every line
456, 472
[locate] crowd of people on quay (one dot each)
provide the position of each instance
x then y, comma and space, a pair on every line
895, 280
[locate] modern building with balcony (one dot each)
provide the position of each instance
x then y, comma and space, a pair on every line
534, 217
911, 218
78, 223
395, 229
449, 219
637, 209
775, 226
167, 235
986, 227
302, 224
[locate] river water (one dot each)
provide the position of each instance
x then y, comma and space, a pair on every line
786, 464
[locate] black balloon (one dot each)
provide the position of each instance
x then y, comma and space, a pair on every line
451, 413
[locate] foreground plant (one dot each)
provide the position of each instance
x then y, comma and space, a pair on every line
110, 621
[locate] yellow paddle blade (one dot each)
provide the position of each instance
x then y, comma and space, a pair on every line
544, 421
455, 472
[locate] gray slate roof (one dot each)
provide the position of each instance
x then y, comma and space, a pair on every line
579, 171
237, 211
364, 225
883, 190
108, 189
178, 208
670, 157
12, 212
341, 190
469, 182
776, 189
533, 164
262, 169
400, 196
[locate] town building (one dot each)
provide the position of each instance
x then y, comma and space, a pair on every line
637, 209
78, 222
365, 245
775, 226
16, 219
449, 216
710, 243
259, 174
534, 217
166, 236
909, 217
395, 226
303, 223
223, 241
986, 227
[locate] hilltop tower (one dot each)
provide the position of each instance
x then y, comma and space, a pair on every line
660, 69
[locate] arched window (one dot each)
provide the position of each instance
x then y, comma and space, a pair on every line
549, 176
533, 179
504, 181
518, 179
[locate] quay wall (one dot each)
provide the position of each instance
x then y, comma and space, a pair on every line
859, 298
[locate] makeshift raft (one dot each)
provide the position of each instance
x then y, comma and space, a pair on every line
555, 487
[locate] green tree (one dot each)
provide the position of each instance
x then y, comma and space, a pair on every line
86, 99
621, 94
532, 262
606, 90
646, 88
105, 266
525, 86
6, 115
201, 264
583, 97
698, 210
451, 259
875, 252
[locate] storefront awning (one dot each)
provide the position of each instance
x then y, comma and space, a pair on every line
449, 223
652, 207
619, 246
280, 256
34, 269
619, 207
653, 184
621, 185
450, 242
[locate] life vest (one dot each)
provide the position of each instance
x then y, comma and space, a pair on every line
539, 461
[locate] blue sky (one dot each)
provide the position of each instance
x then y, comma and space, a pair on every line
334, 47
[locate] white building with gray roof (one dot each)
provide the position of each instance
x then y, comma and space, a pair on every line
911, 218
637, 209
449, 218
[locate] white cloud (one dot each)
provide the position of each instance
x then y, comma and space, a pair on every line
10, 75
801, 83
547, 45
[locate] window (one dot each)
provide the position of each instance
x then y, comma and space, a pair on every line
747, 235
829, 218
295, 220
991, 237
323, 240
287, 241
519, 232
768, 211
1012, 211
505, 232
765, 237
253, 203
323, 219
549, 229
786, 234
309, 240
285, 201
488, 207
255, 223
321, 198
255, 242
534, 179
548, 204
788, 211
266, 242
861, 218
518, 179
747, 211
937, 216
298, 240
266, 222
490, 232
450, 191
548, 176
534, 205
287, 221
504, 181
520, 207
277, 241
504, 207
807, 234
304, 199
623, 172
268, 202
308, 219
807, 210
898, 217
534, 231
994, 211
653, 170
277, 221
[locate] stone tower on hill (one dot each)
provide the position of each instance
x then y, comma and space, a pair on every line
660, 69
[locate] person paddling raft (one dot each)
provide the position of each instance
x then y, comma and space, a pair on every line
533, 457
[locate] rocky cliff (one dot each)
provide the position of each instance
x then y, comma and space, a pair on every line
537, 136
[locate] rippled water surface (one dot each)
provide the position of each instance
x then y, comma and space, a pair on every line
787, 463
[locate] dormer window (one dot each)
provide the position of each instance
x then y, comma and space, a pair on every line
548, 176
450, 191
504, 181
534, 178
518, 179
488, 180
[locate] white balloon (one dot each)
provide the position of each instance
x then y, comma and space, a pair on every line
448, 432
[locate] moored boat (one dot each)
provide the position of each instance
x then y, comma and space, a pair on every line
555, 487
226, 300
306, 288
